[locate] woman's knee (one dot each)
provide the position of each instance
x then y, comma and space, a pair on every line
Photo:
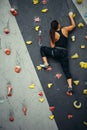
42, 51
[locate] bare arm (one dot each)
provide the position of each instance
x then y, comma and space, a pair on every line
73, 25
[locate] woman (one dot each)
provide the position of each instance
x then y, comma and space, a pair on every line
58, 49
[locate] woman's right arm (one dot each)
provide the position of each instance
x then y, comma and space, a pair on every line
73, 25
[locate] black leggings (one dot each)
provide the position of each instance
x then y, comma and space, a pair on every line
59, 54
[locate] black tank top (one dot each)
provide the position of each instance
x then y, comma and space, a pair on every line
62, 42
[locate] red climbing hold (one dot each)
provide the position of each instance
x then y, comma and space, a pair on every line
9, 90
24, 109
6, 30
70, 116
40, 94
58, 76
13, 11
17, 69
11, 118
52, 108
7, 51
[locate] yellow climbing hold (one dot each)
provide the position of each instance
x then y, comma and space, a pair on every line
50, 85
51, 117
32, 86
83, 64
74, 15
82, 46
41, 99
44, 10
79, 1
73, 38
85, 122
77, 104
75, 56
29, 42
39, 68
76, 82
35, 2
85, 91
80, 25
37, 28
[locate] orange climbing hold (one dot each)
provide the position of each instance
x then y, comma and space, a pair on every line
24, 109
17, 69
7, 51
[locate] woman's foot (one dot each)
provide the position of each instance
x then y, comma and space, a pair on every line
70, 91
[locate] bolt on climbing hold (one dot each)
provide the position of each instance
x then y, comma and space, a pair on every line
11, 116
77, 104
79, 1
83, 65
85, 123
9, 90
80, 25
35, 2
32, 86
28, 42
69, 116
44, 10
17, 69
50, 85
85, 91
40, 94
82, 46
52, 108
76, 82
58, 75
73, 38
51, 117
7, 51
24, 109
75, 56
39, 68
13, 12
41, 99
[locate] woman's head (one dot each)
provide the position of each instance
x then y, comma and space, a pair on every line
54, 25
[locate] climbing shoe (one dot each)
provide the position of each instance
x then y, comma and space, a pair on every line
44, 66
69, 92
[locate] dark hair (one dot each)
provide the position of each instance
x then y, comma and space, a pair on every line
54, 26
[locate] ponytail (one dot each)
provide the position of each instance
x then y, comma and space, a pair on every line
54, 27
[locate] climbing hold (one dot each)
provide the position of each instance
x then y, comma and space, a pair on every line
77, 104
44, 10
13, 11
11, 118
17, 69
28, 42
83, 64
69, 116
41, 99
79, 1
82, 46
85, 91
35, 2
24, 109
58, 75
75, 56
80, 25
32, 86
85, 123
76, 82
36, 19
7, 51
73, 38
44, 1
37, 28
39, 68
50, 85
51, 108
9, 90
6, 30
40, 94
74, 15
51, 117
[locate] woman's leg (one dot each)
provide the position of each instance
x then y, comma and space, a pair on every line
45, 52
65, 66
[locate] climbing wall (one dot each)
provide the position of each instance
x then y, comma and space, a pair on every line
32, 95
